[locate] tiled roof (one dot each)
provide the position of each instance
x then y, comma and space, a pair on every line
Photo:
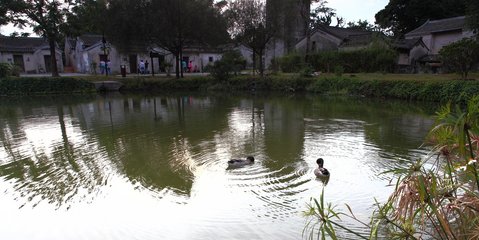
90, 39
357, 40
406, 44
21, 44
442, 25
342, 33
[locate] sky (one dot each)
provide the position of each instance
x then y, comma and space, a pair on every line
350, 10
354, 10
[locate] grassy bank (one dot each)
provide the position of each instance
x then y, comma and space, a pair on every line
427, 87
44, 85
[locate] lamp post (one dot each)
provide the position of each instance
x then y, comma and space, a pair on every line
106, 50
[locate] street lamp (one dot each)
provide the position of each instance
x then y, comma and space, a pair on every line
106, 50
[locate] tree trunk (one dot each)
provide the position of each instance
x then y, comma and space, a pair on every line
181, 62
305, 5
53, 58
254, 61
177, 64
261, 68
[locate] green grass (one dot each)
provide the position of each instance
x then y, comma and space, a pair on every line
423, 87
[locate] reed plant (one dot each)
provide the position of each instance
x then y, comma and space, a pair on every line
434, 198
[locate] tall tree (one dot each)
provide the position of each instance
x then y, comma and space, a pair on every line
461, 56
87, 17
44, 16
473, 14
248, 25
361, 25
402, 16
307, 18
324, 15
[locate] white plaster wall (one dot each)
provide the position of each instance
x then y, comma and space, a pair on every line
438, 41
403, 59
324, 42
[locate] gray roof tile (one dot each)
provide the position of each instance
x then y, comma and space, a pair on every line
442, 25
21, 44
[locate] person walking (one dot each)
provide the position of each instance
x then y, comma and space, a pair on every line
141, 65
102, 67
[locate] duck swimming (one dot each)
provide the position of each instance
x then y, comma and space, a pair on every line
321, 172
241, 162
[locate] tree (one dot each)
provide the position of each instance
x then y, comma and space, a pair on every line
46, 18
361, 25
473, 14
461, 55
323, 15
248, 25
87, 17
403, 16
169, 24
307, 21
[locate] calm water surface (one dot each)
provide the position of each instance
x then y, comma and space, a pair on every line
154, 167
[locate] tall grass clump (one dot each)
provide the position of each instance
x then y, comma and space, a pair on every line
435, 201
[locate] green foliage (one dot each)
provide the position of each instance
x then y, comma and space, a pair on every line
461, 56
438, 91
232, 62
87, 17
248, 26
235, 60
473, 14
171, 25
306, 71
402, 16
291, 63
5, 70
436, 196
455, 91
338, 70
373, 59
47, 19
31, 86
221, 70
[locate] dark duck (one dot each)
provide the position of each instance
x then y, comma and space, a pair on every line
321, 172
241, 162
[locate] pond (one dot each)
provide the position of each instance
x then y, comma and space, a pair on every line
155, 166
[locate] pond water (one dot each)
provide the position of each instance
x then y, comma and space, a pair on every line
155, 167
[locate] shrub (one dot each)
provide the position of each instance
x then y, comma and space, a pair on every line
5, 70
291, 63
374, 59
338, 70
461, 55
221, 70
47, 85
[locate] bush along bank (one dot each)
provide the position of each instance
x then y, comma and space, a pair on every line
437, 91
44, 85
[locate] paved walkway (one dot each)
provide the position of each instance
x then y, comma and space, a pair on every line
115, 75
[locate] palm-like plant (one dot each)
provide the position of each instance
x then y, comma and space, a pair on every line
441, 202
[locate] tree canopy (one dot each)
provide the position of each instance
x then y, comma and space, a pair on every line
402, 16
473, 14
87, 17
249, 25
169, 24
45, 17
461, 56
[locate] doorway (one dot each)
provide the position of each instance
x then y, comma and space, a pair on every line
48, 63
18, 61
133, 59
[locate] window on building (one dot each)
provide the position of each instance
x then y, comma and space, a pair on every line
313, 46
210, 59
